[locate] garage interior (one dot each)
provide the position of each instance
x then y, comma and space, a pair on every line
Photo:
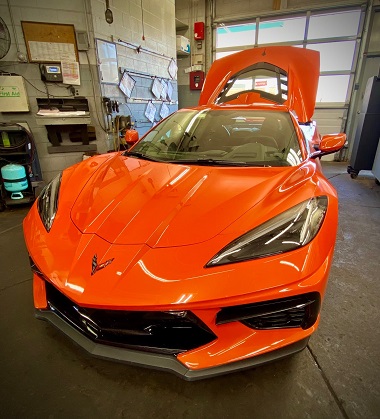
120, 52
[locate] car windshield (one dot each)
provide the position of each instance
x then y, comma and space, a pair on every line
222, 137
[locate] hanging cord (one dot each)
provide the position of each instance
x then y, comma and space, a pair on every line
116, 140
142, 20
47, 92
12, 147
19, 53
130, 111
27, 81
89, 29
94, 91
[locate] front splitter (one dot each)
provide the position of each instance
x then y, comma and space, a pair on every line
164, 362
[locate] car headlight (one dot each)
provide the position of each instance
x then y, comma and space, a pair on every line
288, 231
48, 202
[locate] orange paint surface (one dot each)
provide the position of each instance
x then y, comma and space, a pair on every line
161, 223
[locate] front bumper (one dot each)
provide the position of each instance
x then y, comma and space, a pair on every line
241, 337
151, 285
237, 346
165, 362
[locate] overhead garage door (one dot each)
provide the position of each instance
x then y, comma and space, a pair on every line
335, 33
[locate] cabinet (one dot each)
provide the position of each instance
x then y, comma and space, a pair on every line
17, 146
368, 130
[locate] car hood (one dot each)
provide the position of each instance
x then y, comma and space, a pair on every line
301, 66
133, 201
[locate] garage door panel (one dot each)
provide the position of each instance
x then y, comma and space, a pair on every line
329, 120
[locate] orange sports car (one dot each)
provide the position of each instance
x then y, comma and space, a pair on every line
205, 248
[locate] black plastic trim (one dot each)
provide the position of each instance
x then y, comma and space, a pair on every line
167, 363
21, 179
300, 311
169, 332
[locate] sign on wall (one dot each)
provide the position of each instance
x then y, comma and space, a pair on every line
13, 97
107, 62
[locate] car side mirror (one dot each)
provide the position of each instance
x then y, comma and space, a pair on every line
330, 143
131, 136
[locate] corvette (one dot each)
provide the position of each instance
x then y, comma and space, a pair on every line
206, 247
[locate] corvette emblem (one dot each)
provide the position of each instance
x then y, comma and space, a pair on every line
96, 267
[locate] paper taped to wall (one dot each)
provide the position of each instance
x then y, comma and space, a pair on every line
70, 72
51, 51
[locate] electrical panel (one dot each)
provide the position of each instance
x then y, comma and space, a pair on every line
82, 40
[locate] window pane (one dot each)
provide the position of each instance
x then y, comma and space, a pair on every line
284, 30
334, 24
335, 56
229, 36
332, 89
266, 80
224, 54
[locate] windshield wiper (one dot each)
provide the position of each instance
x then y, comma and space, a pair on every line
213, 162
139, 155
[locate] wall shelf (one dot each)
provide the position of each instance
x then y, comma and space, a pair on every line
180, 26
183, 54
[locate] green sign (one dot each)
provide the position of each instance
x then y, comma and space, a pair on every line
9, 91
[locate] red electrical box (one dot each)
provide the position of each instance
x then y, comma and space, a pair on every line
199, 31
196, 80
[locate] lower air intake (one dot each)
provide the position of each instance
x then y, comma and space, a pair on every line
153, 331
298, 311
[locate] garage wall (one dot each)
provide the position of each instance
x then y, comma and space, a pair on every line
57, 11
159, 28
186, 13
220, 11
152, 28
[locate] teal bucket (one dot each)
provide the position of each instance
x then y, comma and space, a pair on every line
15, 181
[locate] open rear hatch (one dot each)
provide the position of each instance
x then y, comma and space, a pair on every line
283, 75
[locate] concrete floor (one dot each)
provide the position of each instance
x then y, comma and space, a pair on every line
44, 375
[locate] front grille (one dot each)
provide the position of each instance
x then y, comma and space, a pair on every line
298, 311
154, 331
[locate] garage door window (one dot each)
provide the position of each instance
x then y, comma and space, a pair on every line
332, 89
236, 35
284, 30
336, 35
335, 56
331, 25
